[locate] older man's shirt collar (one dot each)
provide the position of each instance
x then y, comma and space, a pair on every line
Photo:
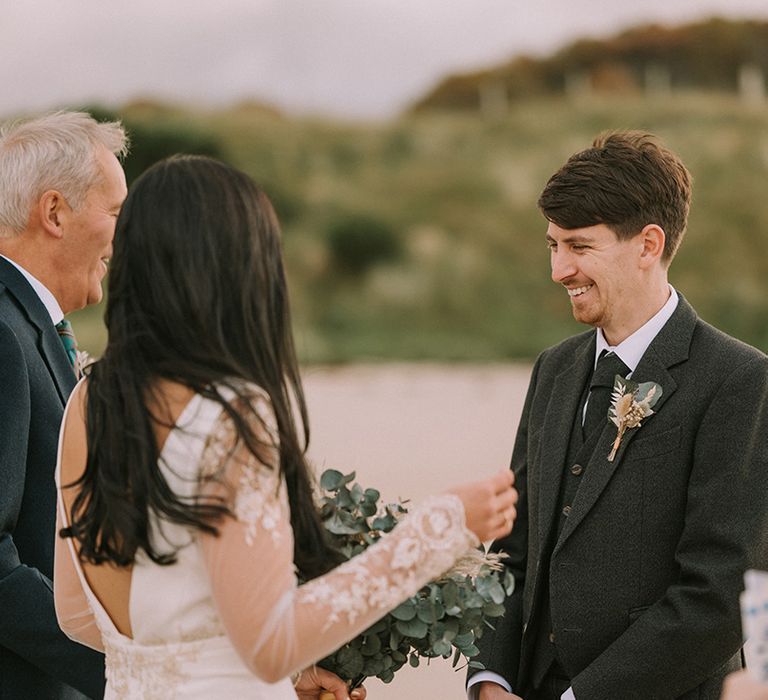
49, 301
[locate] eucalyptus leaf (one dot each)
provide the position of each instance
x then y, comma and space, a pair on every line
412, 628
404, 611
384, 523
368, 509
344, 499
373, 666
496, 591
450, 594
462, 640
337, 527
350, 662
646, 388
371, 645
493, 609
395, 639
331, 480
429, 612
372, 495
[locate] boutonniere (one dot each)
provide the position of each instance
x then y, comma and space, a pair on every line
82, 361
631, 404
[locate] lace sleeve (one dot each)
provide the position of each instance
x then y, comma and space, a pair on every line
277, 626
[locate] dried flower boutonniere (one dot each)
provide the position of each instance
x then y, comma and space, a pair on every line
631, 403
82, 361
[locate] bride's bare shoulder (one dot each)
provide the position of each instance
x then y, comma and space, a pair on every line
74, 446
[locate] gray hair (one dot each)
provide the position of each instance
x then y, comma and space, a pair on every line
54, 152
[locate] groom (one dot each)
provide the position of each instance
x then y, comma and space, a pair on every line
629, 569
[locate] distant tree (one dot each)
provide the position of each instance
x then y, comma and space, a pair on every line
358, 242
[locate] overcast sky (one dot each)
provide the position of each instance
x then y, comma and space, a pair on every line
349, 58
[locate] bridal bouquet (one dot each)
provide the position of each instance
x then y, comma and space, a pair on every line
442, 620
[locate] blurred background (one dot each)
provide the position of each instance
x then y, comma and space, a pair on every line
404, 145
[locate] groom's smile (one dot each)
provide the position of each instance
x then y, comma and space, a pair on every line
600, 273
578, 291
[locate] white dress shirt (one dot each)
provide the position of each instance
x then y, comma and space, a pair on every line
630, 352
49, 301
631, 349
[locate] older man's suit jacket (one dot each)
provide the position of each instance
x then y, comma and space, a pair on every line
645, 574
37, 661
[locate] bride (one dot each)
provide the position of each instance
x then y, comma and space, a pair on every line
185, 502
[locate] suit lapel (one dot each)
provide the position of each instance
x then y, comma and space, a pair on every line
564, 404
669, 348
48, 342
58, 363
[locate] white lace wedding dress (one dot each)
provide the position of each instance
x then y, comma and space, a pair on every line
228, 619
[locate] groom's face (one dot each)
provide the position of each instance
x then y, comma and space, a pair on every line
599, 272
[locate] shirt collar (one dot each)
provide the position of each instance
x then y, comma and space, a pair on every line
631, 349
49, 301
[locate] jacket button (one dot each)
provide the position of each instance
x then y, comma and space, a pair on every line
552, 637
567, 511
576, 469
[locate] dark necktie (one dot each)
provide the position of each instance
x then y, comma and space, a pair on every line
608, 366
67, 338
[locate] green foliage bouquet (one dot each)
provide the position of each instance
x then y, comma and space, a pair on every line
442, 620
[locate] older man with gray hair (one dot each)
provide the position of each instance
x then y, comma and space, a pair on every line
61, 188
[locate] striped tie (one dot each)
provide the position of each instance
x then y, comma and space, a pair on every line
68, 340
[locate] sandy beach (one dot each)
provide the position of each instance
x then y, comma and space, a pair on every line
412, 430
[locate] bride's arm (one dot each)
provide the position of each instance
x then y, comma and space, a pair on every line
73, 612
279, 627
72, 609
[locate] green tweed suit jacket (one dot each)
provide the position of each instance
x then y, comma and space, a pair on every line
645, 576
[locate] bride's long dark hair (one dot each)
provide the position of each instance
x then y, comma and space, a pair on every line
197, 295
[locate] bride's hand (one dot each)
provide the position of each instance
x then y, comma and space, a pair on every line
317, 683
489, 505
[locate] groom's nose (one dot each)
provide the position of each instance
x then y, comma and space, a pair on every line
563, 267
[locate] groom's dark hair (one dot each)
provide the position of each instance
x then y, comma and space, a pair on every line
626, 180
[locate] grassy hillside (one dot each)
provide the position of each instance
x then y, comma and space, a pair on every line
458, 268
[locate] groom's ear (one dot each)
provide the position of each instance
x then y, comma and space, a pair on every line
652, 238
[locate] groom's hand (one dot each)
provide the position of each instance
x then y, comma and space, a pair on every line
493, 691
318, 684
